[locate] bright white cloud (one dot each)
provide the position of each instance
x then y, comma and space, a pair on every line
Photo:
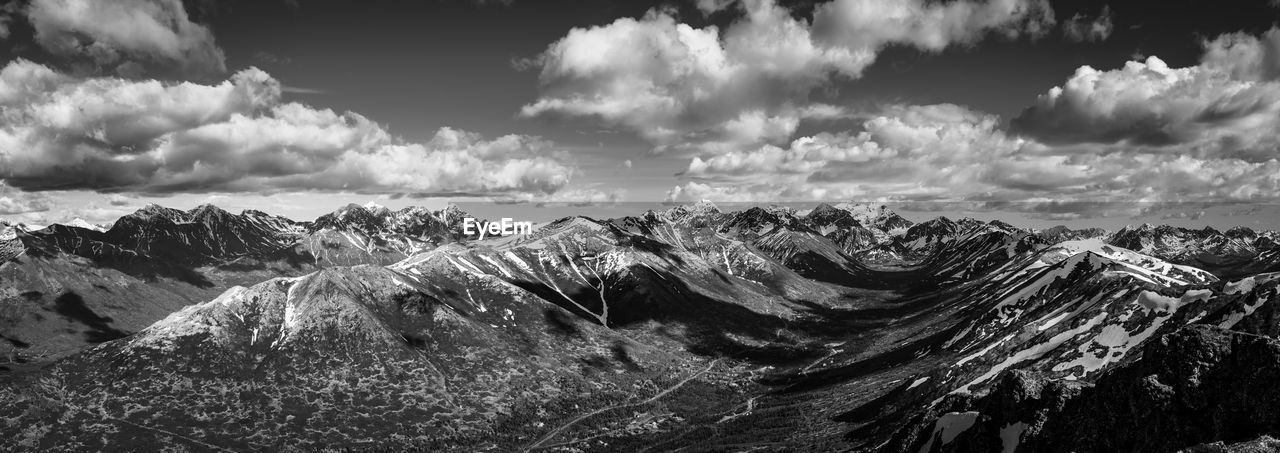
62, 132
1242, 56
121, 33
678, 86
1228, 105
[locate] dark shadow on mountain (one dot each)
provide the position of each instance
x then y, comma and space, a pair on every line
595, 363
835, 375
620, 354
243, 266
415, 302
292, 256
658, 248
16, 342
871, 410
560, 323
71, 306
89, 244
715, 343
710, 325
849, 272
545, 292
152, 270
414, 341
836, 322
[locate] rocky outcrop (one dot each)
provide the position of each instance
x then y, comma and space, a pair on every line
1196, 386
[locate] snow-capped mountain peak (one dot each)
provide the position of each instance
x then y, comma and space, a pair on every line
875, 215
82, 223
688, 211
1145, 267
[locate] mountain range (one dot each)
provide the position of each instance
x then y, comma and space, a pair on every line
844, 327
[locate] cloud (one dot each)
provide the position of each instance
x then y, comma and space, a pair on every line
13, 201
120, 34
7, 12
713, 6
695, 191
1192, 215
120, 200
950, 154
111, 134
682, 87
906, 152
1080, 28
1130, 141
1244, 57
90, 212
574, 196
1228, 105
584, 197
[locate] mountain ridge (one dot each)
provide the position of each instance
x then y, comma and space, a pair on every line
690, 325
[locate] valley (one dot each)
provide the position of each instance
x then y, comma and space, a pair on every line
841, 328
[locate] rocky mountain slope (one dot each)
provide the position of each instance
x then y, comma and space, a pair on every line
841, 328
1236, 252
66, 287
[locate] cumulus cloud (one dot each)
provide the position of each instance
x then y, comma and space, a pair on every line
950, 154
1130, 141
1080, 28
120, 34
905, 152
1228, 105
111, 134
1244, 57
683, 87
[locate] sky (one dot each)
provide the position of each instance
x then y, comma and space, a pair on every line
1043, 112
